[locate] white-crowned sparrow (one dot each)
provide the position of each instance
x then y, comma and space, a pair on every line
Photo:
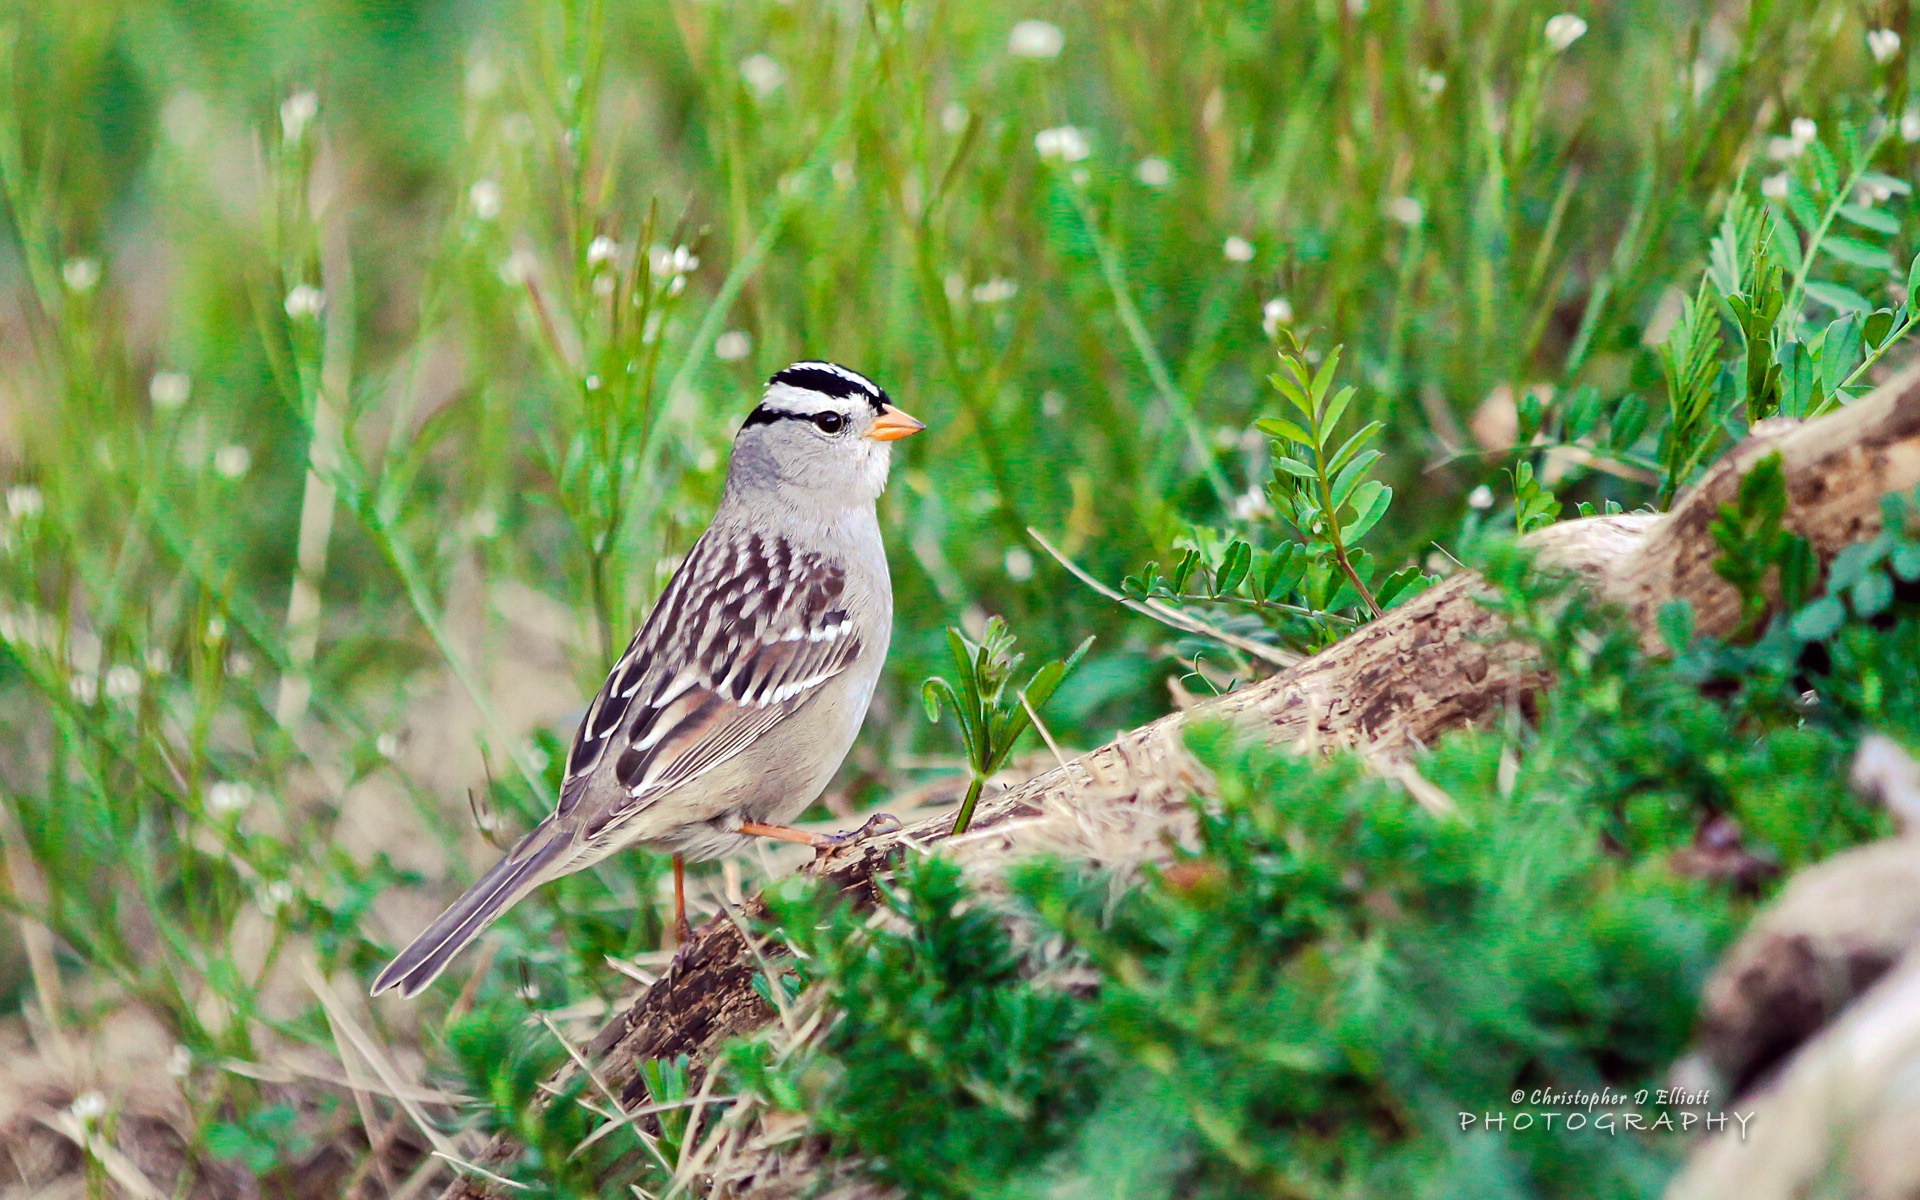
742, 692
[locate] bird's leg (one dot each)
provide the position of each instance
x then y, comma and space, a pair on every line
682, 932
823, 843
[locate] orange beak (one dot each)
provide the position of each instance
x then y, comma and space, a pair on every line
892, 425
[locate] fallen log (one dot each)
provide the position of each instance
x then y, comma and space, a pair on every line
1439, 662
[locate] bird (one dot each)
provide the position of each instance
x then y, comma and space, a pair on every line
736, 701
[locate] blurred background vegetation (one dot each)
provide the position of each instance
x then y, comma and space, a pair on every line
365, 366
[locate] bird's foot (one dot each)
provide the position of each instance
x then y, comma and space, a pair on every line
877, 824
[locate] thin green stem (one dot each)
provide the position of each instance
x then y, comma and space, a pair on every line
965, 816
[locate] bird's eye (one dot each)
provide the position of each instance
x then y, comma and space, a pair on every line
829, 422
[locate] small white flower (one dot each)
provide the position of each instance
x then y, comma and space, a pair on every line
1036, 39
179, 1061
1563, 30
1275, 314
953, 117
1804, 129
484, 77
232, 461
157, 662
1251, 505
484, 196
387, 746
275, 896
601, 250
85, 688
1774, 187
228, 797
1154, 171
843, 173
677, 261
1431, 82
122, 683
239, 665
1785, 149
1406, 210
169, 389
88, 1107
296, 113
1910, 126
995, 291
1052, 404
1063, 143
733, 345
529, 992
763, 75
592, 382
1883, 44
81, 275
305, 301
24, 502
1237, 249
1872, 192
216, 631
1480, 497
518, 268
1019, 564
536, 757
484, 523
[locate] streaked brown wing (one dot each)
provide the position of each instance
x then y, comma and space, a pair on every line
745, 633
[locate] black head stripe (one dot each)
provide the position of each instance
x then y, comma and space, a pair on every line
767, 416
831, 379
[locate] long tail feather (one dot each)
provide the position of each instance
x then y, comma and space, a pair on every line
509, 879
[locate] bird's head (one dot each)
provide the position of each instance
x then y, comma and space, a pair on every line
820, 429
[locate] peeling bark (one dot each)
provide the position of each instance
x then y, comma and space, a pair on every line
1439, 662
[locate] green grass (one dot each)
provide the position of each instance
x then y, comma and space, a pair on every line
347, 439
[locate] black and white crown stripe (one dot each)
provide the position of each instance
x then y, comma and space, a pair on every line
743, 636
829, 381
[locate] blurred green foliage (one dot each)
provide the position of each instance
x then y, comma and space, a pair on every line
1308, 1000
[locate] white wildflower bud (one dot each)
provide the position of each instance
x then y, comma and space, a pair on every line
1237, 250
995, 291
1019, 564
1883, 44
1064, 143
1480, 497
1154, 171
275, 896
296, 113
228, 797
81, 275
88, 1107
732, 346
231, 462
1406, 210
1563, 30
1036, 39
1275, 314
122, 683
1431, 82
484, 197
24, 502
169, 389
305, 301
1804, 129
1774, 187
85, 688
602, 250
763, 75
